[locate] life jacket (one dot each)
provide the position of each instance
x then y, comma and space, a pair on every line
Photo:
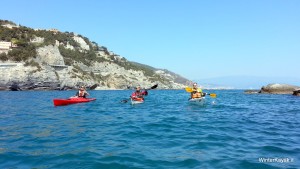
81, 94
198, 90
139, 94
196, 93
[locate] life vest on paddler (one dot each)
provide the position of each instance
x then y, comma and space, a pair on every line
196, 93
81, 93
139, 94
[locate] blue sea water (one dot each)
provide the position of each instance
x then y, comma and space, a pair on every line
234, 131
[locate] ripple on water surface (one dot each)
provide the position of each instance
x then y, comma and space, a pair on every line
234, 130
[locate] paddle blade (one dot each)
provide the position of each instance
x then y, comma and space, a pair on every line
155, 86
124, 101
188, 89
93, 87
213, 95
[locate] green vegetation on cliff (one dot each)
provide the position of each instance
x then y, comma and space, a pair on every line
25, 42
22, 37
19, 36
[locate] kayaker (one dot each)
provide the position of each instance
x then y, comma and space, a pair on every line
82, 92
139, 93
197, 92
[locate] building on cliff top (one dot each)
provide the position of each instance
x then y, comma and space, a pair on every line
10, 26
5, 46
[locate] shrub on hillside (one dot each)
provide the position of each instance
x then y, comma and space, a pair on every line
22, 53
3, 57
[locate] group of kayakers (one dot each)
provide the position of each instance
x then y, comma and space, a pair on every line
137, 97
139, 93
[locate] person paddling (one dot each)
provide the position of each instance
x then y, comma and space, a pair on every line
139, 94
82, 92
197, 92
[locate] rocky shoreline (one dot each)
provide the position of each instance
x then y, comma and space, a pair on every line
296, 93
36, 87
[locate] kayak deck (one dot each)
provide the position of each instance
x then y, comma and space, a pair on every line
137, 100
199, 101
63, 102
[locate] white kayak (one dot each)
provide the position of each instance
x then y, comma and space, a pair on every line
137, 100
199, 101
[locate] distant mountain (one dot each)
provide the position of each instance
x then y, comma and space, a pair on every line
245, 82
38, 59
166, 73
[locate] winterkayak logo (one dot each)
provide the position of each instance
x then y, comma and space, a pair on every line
276, 160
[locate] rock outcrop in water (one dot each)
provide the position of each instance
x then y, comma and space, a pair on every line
53, 60
279, 89
296, 92
251, 91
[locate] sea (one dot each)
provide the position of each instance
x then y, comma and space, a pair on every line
232, 131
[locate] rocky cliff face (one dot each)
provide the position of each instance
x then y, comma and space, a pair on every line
49, 55
66, 60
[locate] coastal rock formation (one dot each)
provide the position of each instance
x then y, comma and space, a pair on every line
51, 60
251, 91
296, 92
50, 55
81, 42
278, 89
27, 77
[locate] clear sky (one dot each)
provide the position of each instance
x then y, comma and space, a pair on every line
195, 38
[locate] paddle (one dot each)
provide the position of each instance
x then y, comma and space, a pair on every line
93, 87
189, 90
153, 87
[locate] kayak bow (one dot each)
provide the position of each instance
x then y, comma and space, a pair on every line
137, 100
199, 101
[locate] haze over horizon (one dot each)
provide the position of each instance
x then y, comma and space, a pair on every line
245, 82
198, 40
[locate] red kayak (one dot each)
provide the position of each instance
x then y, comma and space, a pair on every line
74, 100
